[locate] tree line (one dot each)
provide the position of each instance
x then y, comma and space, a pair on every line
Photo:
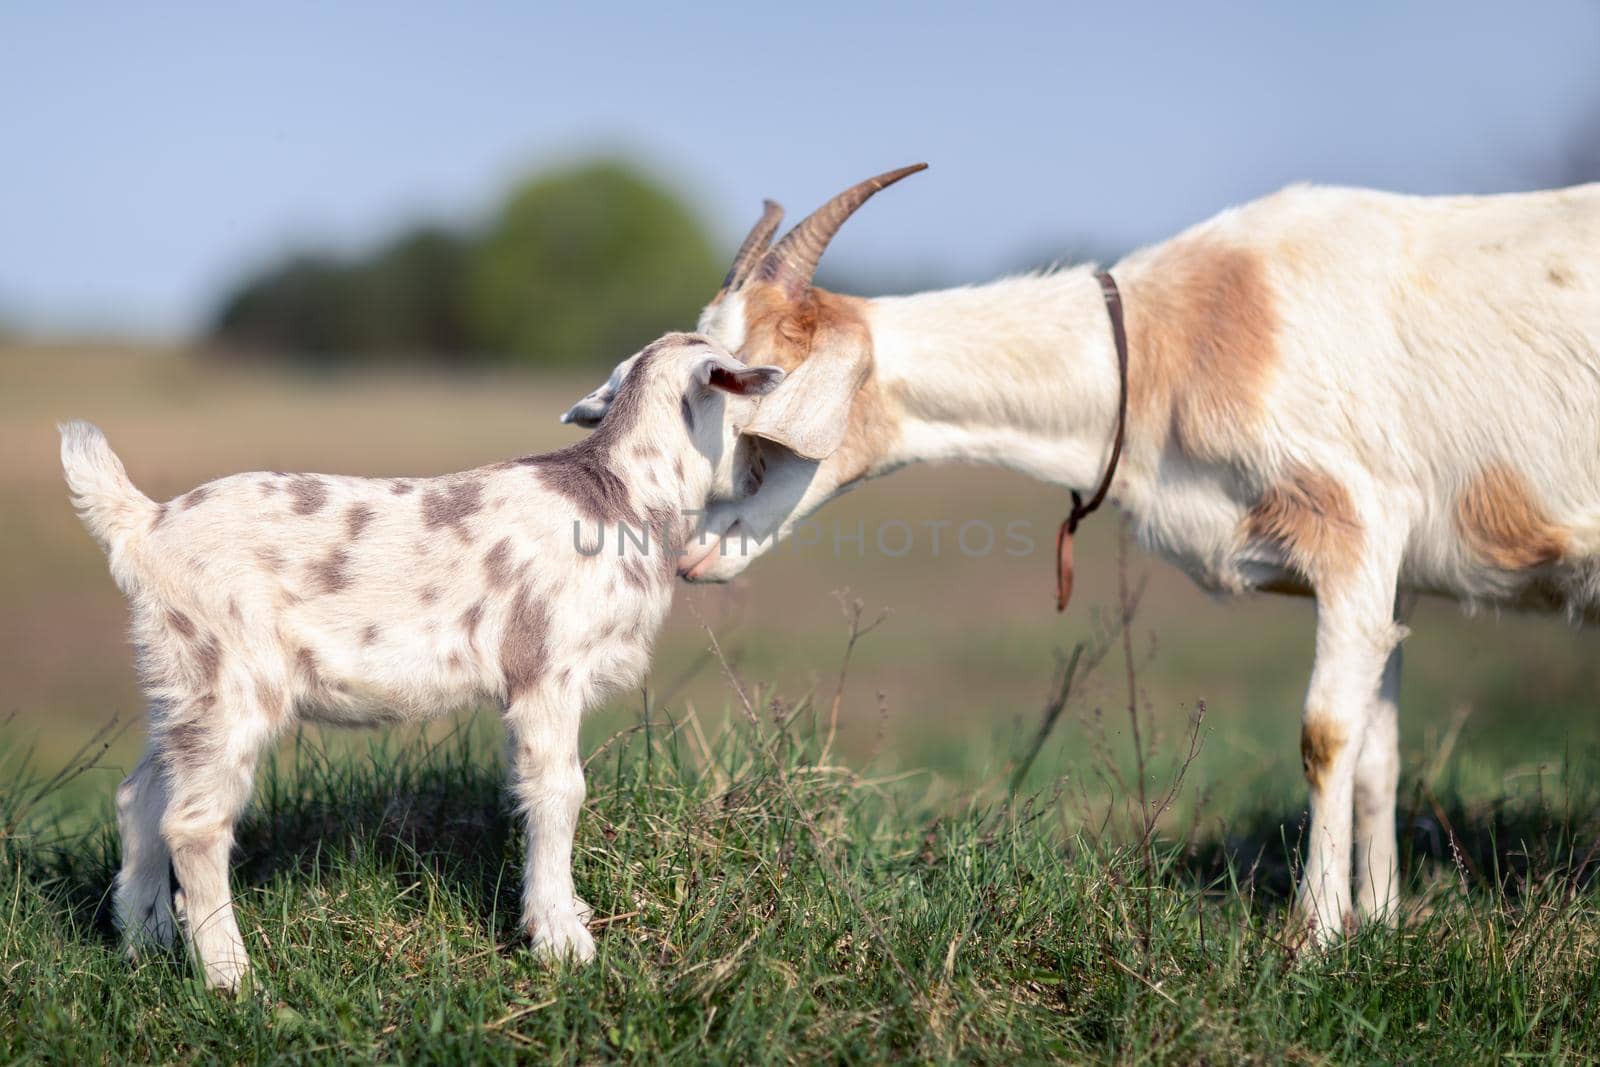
577, 266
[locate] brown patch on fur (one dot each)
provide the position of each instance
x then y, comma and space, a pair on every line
452, 505
370, 633
429, 594
193, 497
582, 473
357, 518
1321, 741
309, 494
331, 573
587, 480
203, 657
1504, 524
269, 558
181, 624
269, 696
786, 332
497, 564
187, 742
1559, 276
1202, 346
233, 610
522, 652
1310, 516
400, 487
664, 541
310, 671
471, 618
638, 576
208, 655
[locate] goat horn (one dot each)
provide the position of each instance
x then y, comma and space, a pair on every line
793, 260
755, 243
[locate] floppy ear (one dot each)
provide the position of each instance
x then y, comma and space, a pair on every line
811, 412
741, 379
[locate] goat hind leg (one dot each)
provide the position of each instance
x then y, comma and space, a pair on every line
209, 785
1377, 867
142, 901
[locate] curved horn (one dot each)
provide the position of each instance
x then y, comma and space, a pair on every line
755, 243
793, 260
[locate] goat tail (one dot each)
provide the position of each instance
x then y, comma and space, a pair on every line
113, 509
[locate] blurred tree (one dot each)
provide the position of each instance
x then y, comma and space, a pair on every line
585, 265
582, 265
410, 297
299, 307
406, 299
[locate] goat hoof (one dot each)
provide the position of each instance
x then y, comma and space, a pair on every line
232, 977
562, 936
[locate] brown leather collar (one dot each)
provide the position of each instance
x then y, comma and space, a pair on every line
1081, 510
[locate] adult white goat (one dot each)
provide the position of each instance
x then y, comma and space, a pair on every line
1336, 392
264, 599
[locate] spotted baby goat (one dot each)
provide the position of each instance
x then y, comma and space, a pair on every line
260, 600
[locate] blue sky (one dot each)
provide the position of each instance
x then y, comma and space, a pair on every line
150, 155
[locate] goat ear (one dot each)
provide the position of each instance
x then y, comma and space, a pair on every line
741, 379
810, 414
591, 409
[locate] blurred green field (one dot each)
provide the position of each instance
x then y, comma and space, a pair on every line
950, 682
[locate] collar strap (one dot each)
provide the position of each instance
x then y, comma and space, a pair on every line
1080, 509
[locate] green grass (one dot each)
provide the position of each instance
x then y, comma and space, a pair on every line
758, 901
770, 903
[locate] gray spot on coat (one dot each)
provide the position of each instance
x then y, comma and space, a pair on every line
308, 492
331, 571
523, 649
452, 505
497, 564
357, 518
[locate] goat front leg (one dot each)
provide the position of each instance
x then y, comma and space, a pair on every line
1356, 637
547, 781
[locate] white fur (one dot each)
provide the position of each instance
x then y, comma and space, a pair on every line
1418, 341
263, 599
